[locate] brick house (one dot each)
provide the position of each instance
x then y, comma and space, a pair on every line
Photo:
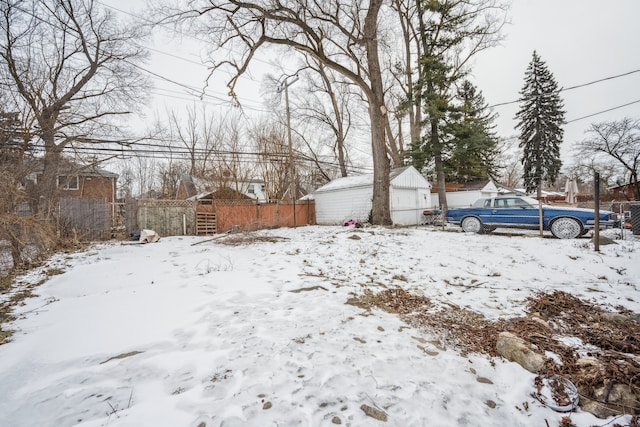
81, 181
624, 192
87, 182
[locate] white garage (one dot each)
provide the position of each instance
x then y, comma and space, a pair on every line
351, 198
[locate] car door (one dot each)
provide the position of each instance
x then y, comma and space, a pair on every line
513, 211
485, 212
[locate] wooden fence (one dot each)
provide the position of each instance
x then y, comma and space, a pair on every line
97, 219
165, 217
85, 219
187, 217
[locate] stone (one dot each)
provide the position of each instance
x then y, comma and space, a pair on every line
604, 240
588, 362
620, 400
374, 413
614, 317
515, 349
336, 420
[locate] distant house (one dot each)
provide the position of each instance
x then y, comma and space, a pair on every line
189, 186
624, 191
220, 194
82, 181
464, 195
351, 198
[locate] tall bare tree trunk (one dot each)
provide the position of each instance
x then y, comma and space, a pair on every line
381, 212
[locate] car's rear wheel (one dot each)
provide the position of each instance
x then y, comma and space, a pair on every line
471, 224
566, 228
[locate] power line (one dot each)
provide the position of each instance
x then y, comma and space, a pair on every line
603, 111
574, 87
600, 80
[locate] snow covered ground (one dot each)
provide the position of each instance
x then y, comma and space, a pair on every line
175, 334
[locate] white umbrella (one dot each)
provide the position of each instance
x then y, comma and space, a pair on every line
571, 190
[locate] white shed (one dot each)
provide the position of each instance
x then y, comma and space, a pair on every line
351, 198
464, 195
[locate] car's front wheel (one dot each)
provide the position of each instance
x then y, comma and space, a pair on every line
566, 228
471, 224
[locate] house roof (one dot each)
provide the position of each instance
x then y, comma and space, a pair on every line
358, 181
622, 186
189, 186
221, 194
70, 167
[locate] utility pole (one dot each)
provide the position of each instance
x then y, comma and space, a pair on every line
292, 185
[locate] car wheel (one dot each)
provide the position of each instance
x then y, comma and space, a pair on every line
471, 224
566, 228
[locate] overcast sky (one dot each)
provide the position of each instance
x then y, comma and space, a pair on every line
581, 41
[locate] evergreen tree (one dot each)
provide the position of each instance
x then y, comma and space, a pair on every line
472, 151
539, 120
466, 143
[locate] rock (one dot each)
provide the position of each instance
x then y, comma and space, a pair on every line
536, 317
588, 362
490, 403
484, 380
620, 400
374, 413
336, 420
515, 349
614, 317
604, 240
267, 405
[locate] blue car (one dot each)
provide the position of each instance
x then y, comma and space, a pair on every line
522, 212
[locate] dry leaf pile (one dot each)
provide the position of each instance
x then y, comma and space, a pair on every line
610, 352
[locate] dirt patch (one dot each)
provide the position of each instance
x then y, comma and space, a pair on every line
311, 288
122, 356
594, 346
240, 239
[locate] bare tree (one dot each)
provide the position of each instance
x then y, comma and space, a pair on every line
343, 36
585, 168
145, 175
232, 167
618, 142
72, 67
331, 103
169, 175
200, 133
509, 164
273, 166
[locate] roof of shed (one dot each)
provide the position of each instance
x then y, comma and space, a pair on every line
355, 181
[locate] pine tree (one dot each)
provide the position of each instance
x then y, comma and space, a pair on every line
466, 142
472, 151
539, 120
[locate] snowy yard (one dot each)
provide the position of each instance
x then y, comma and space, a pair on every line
261, 334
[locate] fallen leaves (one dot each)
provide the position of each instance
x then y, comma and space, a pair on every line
612, 339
